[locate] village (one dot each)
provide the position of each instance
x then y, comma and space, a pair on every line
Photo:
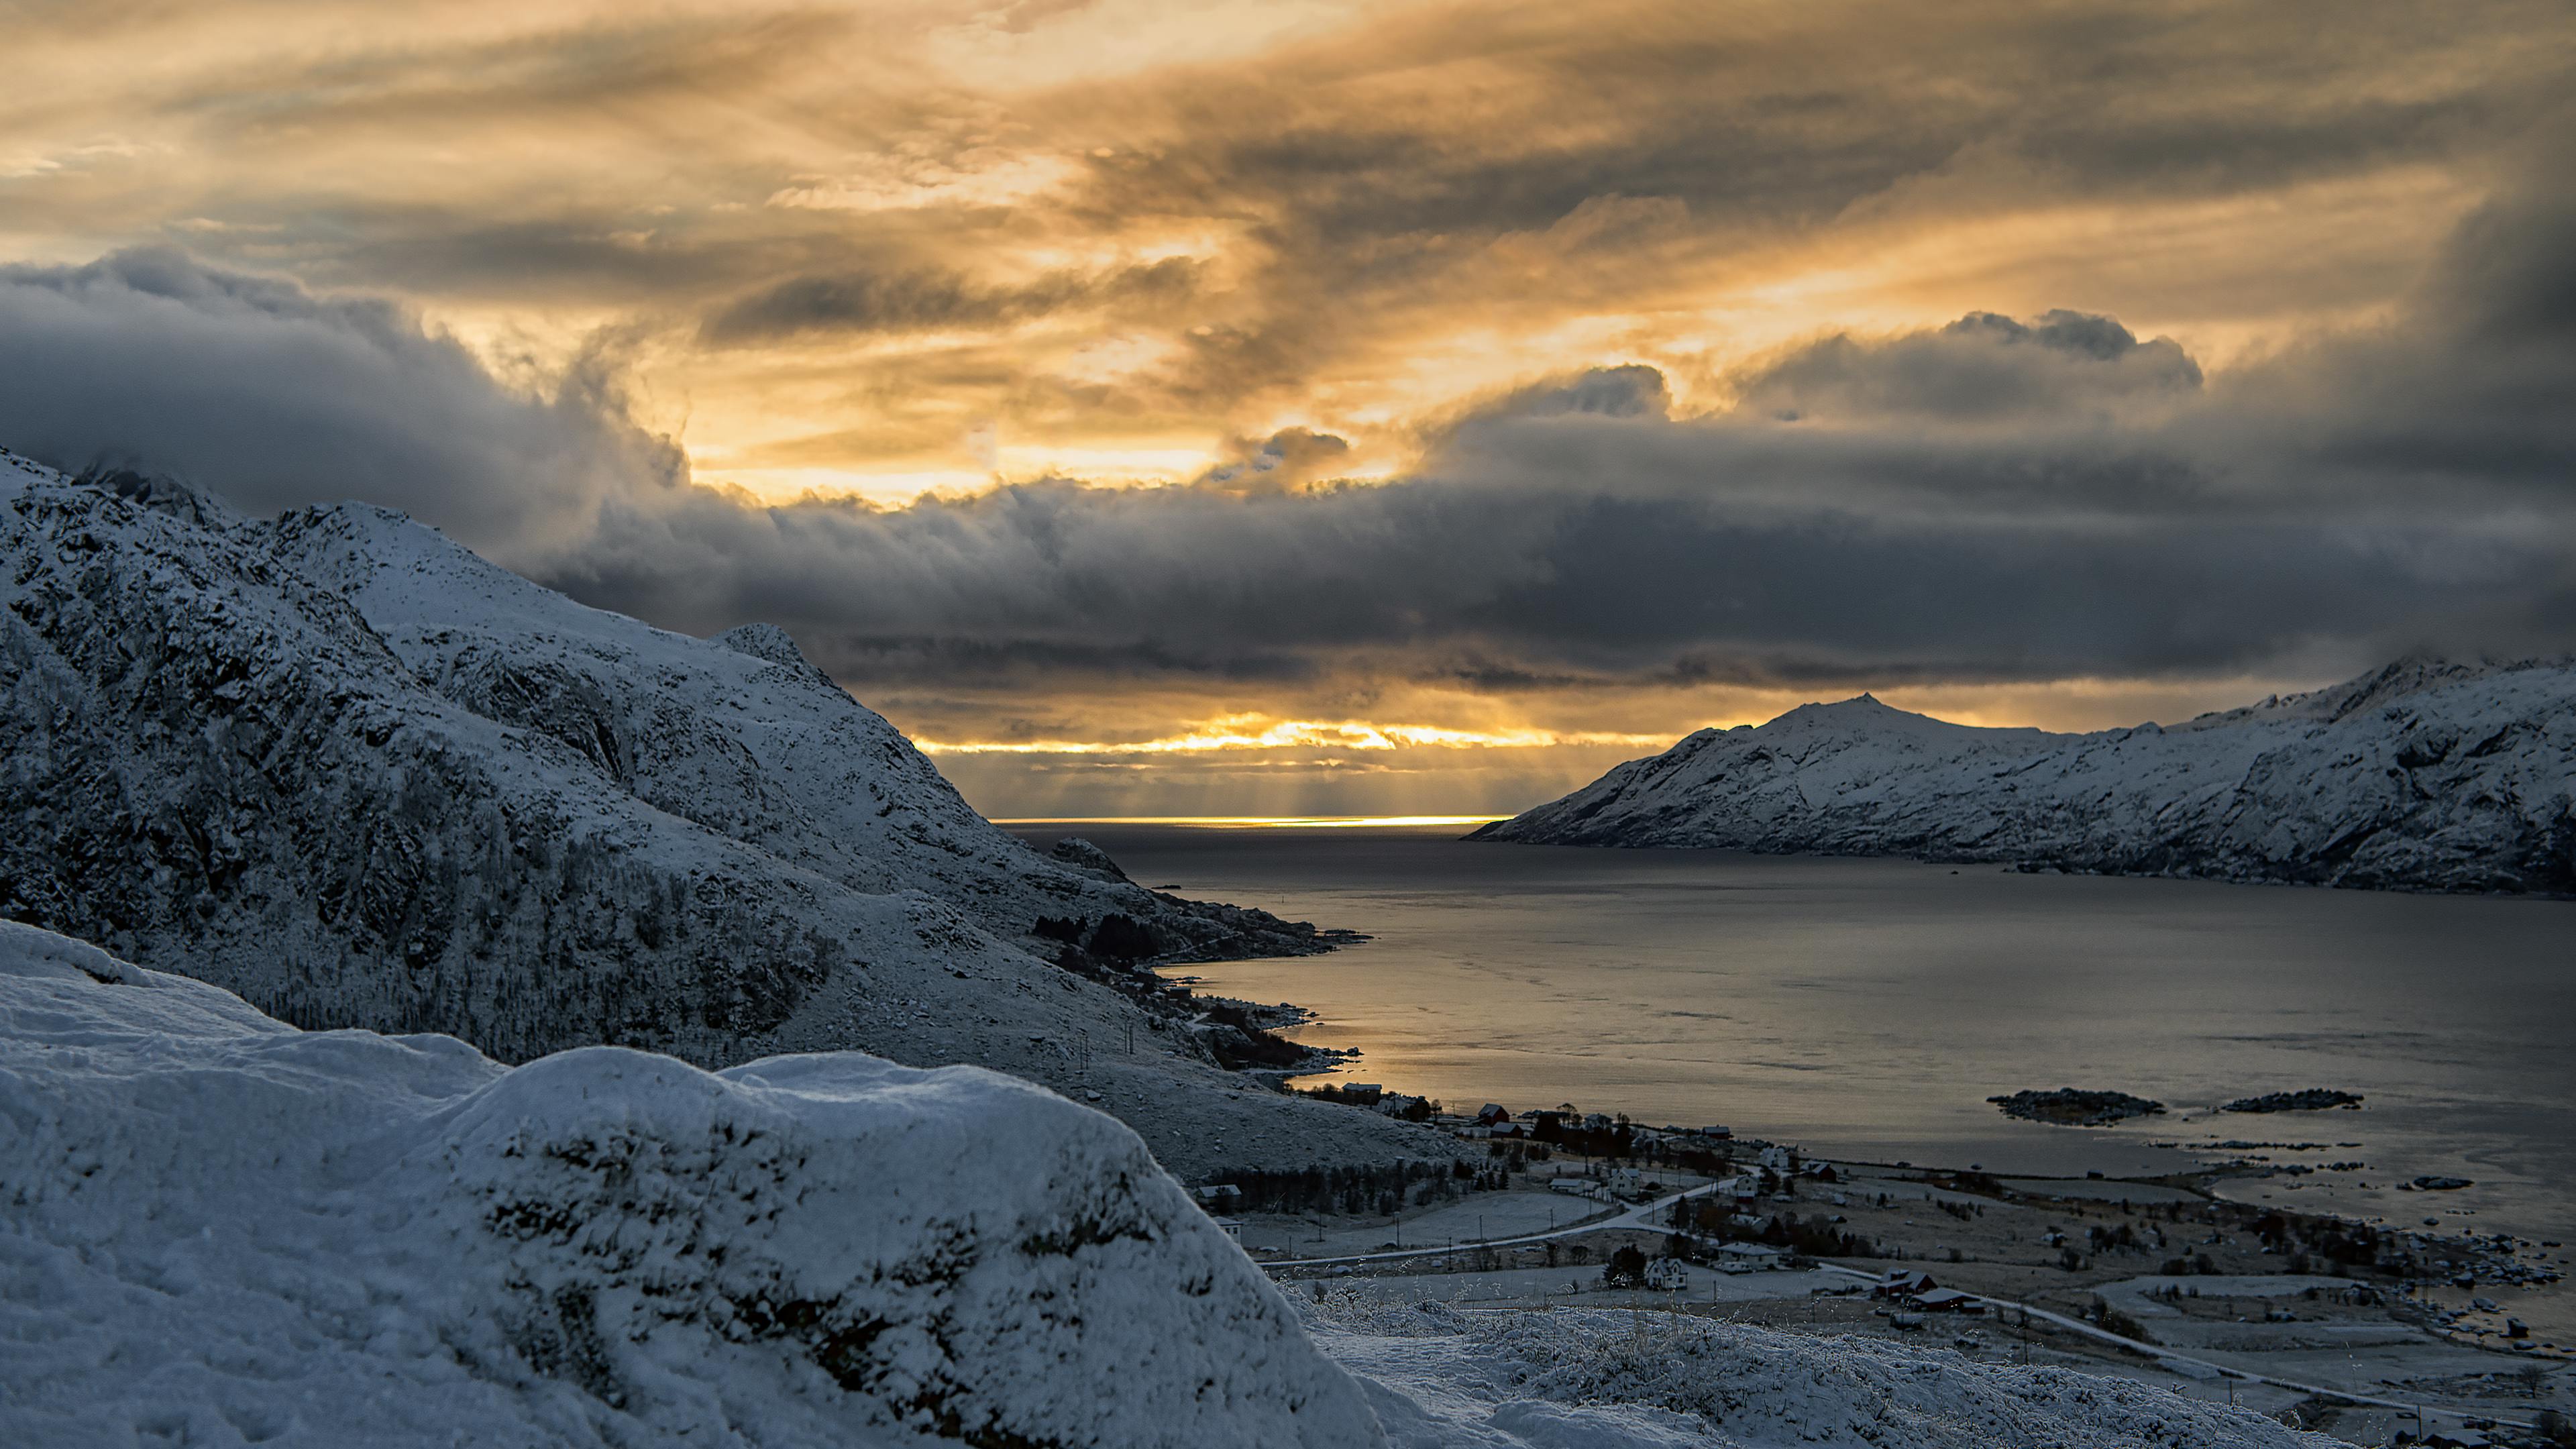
2377, 1335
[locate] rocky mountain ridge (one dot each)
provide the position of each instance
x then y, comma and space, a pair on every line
2427, 774
341, 766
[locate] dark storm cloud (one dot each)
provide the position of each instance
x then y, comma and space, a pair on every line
273, 397
2134, 519
2383, 489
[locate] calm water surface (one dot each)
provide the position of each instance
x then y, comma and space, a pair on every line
1869, 1007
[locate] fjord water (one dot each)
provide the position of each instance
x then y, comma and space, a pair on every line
1870, 1007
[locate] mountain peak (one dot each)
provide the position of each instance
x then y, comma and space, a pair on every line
764, 641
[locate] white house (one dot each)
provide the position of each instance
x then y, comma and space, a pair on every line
1669, 1275
1573, 1186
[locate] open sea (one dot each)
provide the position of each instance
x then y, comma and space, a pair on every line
1868, 1008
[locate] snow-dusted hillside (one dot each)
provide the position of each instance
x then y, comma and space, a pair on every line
738, 733
1442, 1379
2423, 775
340, 766
216, 1229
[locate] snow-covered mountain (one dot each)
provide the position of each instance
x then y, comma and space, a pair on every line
343, 767
217, 1229
2426, 774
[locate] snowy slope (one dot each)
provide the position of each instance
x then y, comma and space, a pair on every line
2423, 775
215, 1229
737, 733
218, 1230
1449, 1380
542, 827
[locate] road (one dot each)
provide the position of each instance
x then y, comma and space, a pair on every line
1655, 1216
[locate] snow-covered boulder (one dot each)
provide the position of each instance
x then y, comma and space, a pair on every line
2424, 775
217, 1229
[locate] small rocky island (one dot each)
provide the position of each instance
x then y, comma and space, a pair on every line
2314, 1099
2067, 1107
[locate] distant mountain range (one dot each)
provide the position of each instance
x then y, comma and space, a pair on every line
2425, 775
340, 765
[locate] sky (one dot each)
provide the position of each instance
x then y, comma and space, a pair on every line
1305, 408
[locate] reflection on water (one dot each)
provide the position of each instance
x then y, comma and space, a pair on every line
1869, 1007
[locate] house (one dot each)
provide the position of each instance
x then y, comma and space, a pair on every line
1947, 1300
1721, 1134
1492, 1115
1574, 1186
1626, 1181
1597, 1122
1777, 1159
1900, 1283
1820, 1171
1220, 1197
1233, 1227
1363, 1093
1476, 1131
1749, 1257
1396, 1104
1669, 1275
